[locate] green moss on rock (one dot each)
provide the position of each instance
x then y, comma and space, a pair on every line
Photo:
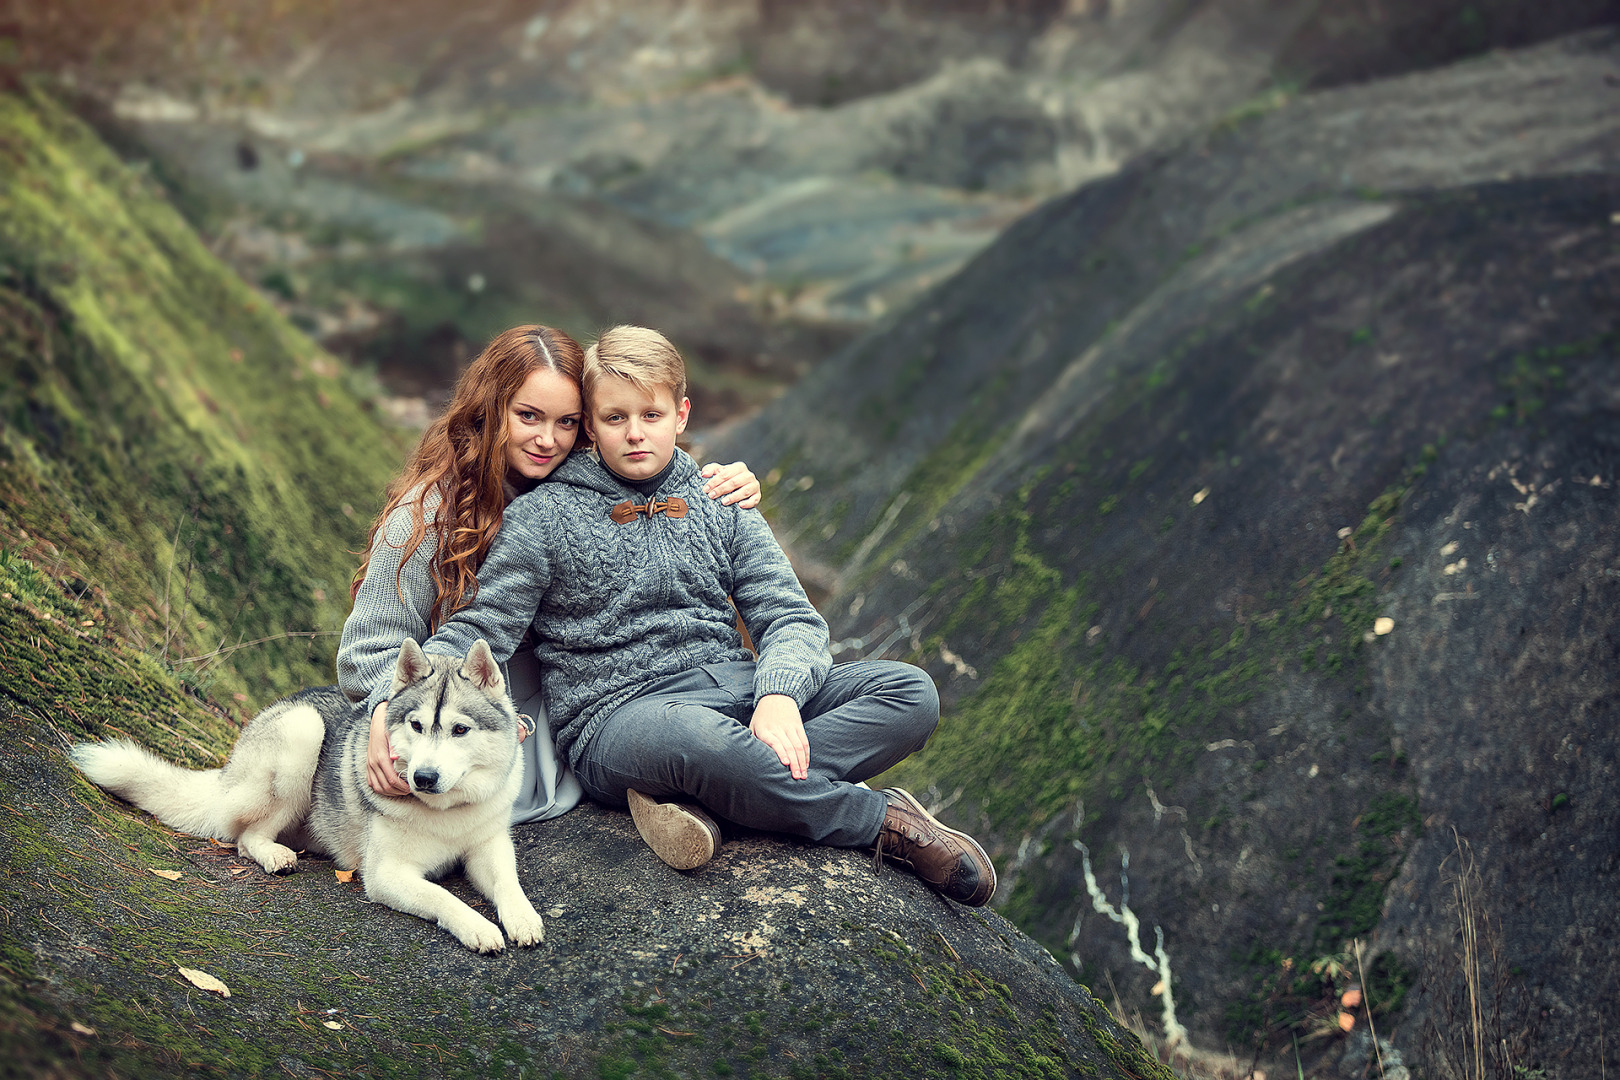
170, 443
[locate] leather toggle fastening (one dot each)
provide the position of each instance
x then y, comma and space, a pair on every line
626, 512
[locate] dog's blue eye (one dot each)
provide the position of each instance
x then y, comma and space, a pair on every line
460, 729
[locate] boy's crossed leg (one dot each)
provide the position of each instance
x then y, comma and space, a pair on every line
687, 738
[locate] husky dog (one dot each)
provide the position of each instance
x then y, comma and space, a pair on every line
297, 776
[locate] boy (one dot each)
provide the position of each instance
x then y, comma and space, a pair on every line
625, 571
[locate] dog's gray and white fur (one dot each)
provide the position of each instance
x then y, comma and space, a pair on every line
297, 776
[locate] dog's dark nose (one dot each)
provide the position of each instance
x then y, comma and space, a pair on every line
426, 780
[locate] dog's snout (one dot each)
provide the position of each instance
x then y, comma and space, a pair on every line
425, 780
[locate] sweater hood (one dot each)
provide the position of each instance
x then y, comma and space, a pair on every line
587, 471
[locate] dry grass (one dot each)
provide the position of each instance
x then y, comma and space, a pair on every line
1479, 1022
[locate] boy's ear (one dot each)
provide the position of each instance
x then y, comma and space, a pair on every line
681, 414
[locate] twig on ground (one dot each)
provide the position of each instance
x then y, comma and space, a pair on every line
228, 649
1366, 1001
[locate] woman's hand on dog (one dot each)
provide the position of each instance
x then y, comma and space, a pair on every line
380, 757
734, 483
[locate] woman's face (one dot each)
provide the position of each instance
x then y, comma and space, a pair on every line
541, 424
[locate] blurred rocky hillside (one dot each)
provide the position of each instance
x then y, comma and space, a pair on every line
759, 178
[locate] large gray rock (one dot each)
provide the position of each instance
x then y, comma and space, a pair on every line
777, 959
1139, 486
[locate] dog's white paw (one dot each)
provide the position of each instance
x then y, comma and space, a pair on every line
477, 933
525, 927
275, 858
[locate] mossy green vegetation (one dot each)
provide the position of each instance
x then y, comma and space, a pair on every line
1065, 718
170, 443
56, 658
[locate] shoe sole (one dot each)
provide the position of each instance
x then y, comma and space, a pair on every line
682, 836
982, 895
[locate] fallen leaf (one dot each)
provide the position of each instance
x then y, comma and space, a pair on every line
81, 1029
167, 875
1383, 625
204, 981
239, 869
333, 1024
343, 875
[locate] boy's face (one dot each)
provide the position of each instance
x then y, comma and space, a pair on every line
635, 430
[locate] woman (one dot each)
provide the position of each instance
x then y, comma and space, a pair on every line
514, 417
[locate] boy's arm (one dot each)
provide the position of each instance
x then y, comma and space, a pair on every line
511, 582
788, 631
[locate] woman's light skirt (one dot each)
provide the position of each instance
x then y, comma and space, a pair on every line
549, 788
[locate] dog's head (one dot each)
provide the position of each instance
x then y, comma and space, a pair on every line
452, 725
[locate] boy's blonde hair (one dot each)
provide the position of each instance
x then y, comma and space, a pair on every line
643, 357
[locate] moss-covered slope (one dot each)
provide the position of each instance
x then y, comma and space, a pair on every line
170, 443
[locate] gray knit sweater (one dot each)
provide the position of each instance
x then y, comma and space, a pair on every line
391, 605
615, 607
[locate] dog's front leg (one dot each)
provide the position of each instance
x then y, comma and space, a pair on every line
403, 887
492, 868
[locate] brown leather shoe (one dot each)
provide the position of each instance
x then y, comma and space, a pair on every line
950, 862
680, 833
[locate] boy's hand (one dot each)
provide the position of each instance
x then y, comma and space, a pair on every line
777, 724
380, 757
734, 483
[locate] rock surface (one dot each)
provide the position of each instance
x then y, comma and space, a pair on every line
777, 959
1255, 509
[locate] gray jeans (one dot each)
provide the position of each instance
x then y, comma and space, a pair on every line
687, 736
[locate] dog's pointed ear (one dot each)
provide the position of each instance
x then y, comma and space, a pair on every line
480, 667
413, 665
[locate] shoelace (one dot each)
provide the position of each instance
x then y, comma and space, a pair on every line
908, 838
625, 512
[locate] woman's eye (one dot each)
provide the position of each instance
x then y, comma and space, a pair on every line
526, 416
568, 422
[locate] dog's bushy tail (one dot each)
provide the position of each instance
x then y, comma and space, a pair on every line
191, 800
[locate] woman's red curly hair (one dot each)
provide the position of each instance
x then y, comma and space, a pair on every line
462, 457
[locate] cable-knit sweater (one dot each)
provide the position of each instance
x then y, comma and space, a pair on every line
615, 607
